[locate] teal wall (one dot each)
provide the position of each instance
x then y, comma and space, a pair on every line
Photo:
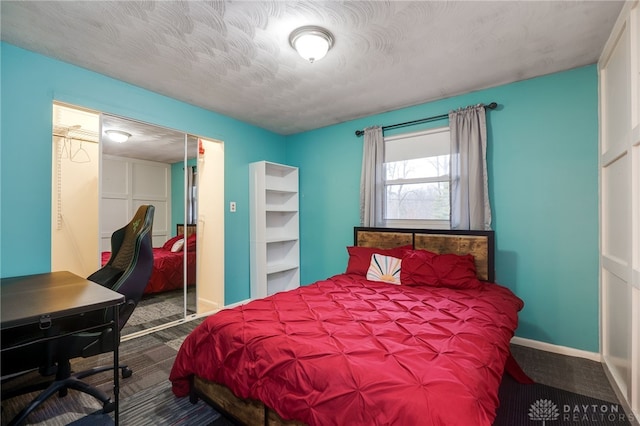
542, 160
543, 185
31, 82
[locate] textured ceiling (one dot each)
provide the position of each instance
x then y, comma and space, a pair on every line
147, 142
234, 57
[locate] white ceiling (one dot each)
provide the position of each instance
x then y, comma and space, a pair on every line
234, 57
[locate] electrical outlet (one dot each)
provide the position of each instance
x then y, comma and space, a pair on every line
232, 206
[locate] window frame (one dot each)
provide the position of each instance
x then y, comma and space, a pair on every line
415, 223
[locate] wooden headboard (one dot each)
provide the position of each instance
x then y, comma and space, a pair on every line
480, 244
191, 229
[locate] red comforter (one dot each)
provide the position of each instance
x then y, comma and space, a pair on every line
348, 351
167, 269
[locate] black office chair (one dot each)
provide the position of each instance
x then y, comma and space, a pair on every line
127, 272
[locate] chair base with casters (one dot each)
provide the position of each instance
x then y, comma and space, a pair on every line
64, 380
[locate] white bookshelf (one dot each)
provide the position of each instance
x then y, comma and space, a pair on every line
274, 229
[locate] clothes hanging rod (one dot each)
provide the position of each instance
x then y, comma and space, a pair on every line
492, 105
73, 138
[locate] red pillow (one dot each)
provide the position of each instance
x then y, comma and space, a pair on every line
457, 271
191, 242
422, 267
418, 269
171, 241
360, 257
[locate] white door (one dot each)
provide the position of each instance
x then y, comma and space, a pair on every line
620, 204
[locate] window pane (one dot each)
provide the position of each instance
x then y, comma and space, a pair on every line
418, 168
418, 201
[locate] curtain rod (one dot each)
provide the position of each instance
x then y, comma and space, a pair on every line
492, 105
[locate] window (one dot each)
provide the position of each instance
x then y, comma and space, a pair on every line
416, 179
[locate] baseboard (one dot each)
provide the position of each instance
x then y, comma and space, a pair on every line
562, 350
242, 302
206, 305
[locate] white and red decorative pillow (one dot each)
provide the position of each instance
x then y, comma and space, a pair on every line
360, 257
384, 268
177, 246
171, 241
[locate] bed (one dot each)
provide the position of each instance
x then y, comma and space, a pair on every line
356, 349
168, 264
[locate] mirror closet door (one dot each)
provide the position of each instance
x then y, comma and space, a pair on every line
189, 225
144, 164
202, 222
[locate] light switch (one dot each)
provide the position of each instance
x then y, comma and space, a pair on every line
232, 206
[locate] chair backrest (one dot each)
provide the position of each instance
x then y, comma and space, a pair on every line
131, 262
125, 238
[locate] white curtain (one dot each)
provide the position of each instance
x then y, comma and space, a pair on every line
371, 181
470, 207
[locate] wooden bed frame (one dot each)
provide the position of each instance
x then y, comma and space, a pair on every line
478, 243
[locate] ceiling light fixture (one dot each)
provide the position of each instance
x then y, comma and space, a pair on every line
118, 135
311, 42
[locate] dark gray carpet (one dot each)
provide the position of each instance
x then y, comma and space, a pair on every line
156, 406
520, 405
578, 375
537, 404
94, 420
159, 405
160, 308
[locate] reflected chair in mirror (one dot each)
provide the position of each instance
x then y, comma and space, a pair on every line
127, 272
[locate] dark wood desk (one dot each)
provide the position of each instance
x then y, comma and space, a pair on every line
43, 298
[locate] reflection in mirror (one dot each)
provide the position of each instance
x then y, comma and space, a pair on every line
137, 171
191, 212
